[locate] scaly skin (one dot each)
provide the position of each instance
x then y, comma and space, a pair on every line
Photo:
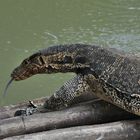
107, 73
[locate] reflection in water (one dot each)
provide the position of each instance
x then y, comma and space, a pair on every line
28, 26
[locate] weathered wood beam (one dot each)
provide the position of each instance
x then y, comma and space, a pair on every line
9, 111
122, 130
90, 113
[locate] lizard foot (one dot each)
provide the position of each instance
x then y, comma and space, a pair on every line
31, 109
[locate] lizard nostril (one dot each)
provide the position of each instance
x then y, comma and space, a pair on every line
15, 74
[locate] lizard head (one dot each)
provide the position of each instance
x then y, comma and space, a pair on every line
28, 67
62, 58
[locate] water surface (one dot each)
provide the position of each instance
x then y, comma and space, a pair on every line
27, 26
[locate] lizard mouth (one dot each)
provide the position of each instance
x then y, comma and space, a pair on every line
21, 74
18, 77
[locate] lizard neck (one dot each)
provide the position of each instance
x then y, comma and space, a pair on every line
65, 58
65, 62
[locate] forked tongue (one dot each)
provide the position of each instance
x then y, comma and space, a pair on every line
7, 86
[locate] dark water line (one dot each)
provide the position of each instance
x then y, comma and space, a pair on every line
7, 86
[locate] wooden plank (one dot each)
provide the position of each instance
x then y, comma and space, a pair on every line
90, 113
9, 111
122, 130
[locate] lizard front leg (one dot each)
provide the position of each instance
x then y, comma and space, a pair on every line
62, 98
67, 93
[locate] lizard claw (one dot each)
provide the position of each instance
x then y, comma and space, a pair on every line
31, 104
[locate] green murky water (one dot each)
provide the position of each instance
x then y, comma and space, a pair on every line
29, 25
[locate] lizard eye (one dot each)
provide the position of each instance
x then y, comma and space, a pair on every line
25, 62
